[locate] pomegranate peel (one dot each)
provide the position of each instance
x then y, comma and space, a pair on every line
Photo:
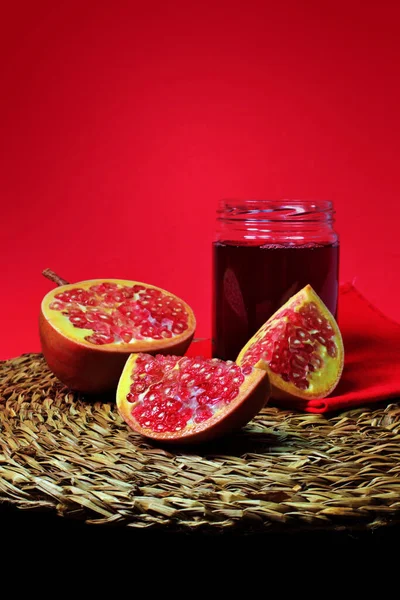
301, 348
188, 400
88, 329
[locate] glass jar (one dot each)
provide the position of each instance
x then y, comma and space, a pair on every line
264, 251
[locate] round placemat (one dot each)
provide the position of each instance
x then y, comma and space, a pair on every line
285, 471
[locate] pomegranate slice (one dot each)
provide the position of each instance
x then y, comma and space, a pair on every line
300, 346
88, 329
188, 400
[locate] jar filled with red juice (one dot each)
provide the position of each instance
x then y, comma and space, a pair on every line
265, 251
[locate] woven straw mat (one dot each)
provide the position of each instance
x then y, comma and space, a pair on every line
285, 471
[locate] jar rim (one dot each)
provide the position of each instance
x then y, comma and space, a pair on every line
268, 205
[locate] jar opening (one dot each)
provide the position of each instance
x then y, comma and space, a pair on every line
282, 209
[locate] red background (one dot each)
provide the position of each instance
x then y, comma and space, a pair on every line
122, 124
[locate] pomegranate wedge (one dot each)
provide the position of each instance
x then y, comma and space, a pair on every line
188, 400
300, 346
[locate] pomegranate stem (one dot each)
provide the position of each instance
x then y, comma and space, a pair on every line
54, 277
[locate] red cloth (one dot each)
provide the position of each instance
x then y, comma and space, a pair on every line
372, 357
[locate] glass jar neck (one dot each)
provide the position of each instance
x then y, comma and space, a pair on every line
289, 222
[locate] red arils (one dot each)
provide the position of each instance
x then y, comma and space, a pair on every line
289, 349
132, 312
300, 346
188, 399
195, 394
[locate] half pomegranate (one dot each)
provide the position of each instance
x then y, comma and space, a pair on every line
301, 348
88, 329
188, 400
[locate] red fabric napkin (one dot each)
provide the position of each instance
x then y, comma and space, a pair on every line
372, 357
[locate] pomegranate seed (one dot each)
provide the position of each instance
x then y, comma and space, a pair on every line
327, 330
126, 292
278, 347
302, 384
298, 361
153, 293
147, 330
138, 387
319, 338
316, 361
100, 338
285, 355
157, 336
231, 396
63, 296
152, 396
108, 300
79, 322
75, 311
82, 297
174, 406
178, 327
290, 330
332, 349
203, 413
118, 297
181, 424
171, 390
131, 397
186, 413
104, 317
165, 333
308, 348
126, 308
108, 285
150, 364
303, 335
238, 379
203, 399
247, 369
98, 327
92, 301
294, 343
57, 305
125, 336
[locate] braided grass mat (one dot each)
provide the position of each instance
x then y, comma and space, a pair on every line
285, 471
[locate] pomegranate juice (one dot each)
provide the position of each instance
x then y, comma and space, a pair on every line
252, 282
